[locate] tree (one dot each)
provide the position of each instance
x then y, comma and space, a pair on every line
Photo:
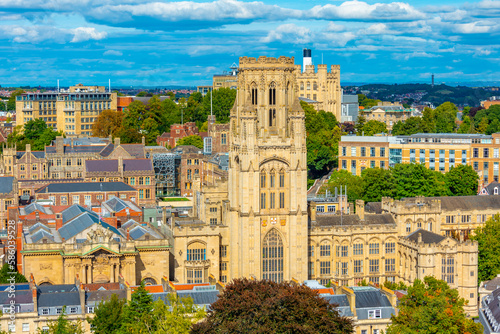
409, 127
432, 307
377, 183
462, 180
322, 151
6, 274
343, 178
150, 129
137, 314
178, 316
191, 140
466, 126
141, 94
36, 133
488, 239
373, 127
222, 102
63, 326
108, 123
3, 106
415, 180
107, 317
483, 125
360, 123
445, 116
247, 306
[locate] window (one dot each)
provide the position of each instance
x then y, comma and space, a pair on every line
59, 310
310, 251
213, 221
343, 268
475, 153
331, 208
374, 266
344, 251
311, 268
282, 200
26, 327
262, 200
21, 167
79, 161
254, 96
33, 167
363, 151
374, 314
262, 179
408, 227
324, 250
141, 193
374, 248
372, 151
358, 266
382, 164
324, 268
223, 266
76, 199
320, 208
272, 257
141, 179
272, 179
486, 153
282, 179
132, 181
223, 251
357, 249
353, 151
382, 152
448, 270
390, 247
223, 139
390, 265
213, 209
272, 200
45, 311
195, 276
196, 254
344, 151
11, 328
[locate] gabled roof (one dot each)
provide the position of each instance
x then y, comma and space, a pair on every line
138, 231
20, 297
490, 188
346, 220
6, 184
200, 297
370, 297
58, 295
73, 211
39, 235
37, 227
96, 296
427, 237
34, 207
81, 223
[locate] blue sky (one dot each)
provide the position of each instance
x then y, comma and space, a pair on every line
149, 43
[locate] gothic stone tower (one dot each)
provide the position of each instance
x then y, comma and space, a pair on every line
267, 173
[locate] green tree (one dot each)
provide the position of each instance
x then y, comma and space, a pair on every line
322, 151
343, 178
483, 125
462, 180
150, 129
177, 315
223, 101
377, 183
445, 116
137, 313
247, 306
373, 127
35, 132
3, 106
429, 120
108, 123
466, 126
415, 180
141, 94
409, 127
63, 326
360, 123
432, 307
488, 239
108, 315
6, 274
493, 127
191, 140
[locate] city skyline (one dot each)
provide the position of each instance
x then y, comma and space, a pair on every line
146, 43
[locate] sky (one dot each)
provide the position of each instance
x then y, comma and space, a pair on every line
165, 43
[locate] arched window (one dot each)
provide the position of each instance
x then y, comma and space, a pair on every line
196, 251
272, 94
254, 94
308, 85
272, 257
149, 281
282, 179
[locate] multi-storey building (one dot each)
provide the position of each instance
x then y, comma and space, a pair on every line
389, 114
437, 151
72, 112
9, 197
227, 79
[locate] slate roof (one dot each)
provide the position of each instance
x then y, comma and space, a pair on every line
101, 165
135, 150
37, 236
19, 286
427, 237
116, 204
34, 207
138, 231
6, 184
106, 151
95, 297
74, 187
373, 207
370, 219
492, 284
137, 165
466, 203
37, 227
54, 299
491, 309
367, 297
81, 223
490, 188
200, 297
101, 286
20, 297
73, 211
76, 149
36, 154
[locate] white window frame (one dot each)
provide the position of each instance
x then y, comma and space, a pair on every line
375, 314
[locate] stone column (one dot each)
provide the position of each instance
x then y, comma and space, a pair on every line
112, 276
89, 274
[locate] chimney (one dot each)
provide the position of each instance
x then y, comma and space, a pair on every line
117, 141
128, 234
360, 209
307, 59
143, 141
59, 144
34, 292
120, 165
28, 148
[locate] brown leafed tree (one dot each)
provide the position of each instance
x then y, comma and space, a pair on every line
253, 307
108, 123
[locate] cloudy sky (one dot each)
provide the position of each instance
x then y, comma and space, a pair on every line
148, 43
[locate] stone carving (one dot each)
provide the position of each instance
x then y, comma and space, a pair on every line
47, 266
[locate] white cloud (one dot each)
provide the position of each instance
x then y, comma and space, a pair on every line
113, 53
289, 33
82, 34
472, 28
335, 27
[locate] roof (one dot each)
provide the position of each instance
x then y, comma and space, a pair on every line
34, 207
200, 297
427, 237
150, 288
179, 287
101, 286
58, 295
338, 220
101, 165
469, 203
492, 284
37, 236
373, 207
74, 187
491, 309
81, 223
95, 297
137, 165
6, 184
73, 211
370, 297
37, 227
20, 297
305, 99
490, 188
76, 149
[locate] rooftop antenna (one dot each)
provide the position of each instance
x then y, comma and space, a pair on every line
211, 104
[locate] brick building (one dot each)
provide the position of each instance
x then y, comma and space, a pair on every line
178, 131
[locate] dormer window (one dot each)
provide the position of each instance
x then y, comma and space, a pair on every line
495, 191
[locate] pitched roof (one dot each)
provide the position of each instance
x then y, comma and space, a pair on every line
466, 203
370, 297
106, 151
338, 220
101, 286
96, 296
150, 288
74, 187
37, 227
490, 188
6, 184
73, 211
81, 223
137, 165
20, 297
427, 237
101, 165
491, 309
62, 295
37, 236
200, 297
34, 207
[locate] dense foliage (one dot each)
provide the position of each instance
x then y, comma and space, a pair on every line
488, 238
247, 306
404, 180
36, 133
6, 274
439, 120
323, 136
142, 315
432, 307
152, 119
191, 140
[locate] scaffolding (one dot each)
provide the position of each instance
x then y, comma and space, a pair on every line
166, 167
